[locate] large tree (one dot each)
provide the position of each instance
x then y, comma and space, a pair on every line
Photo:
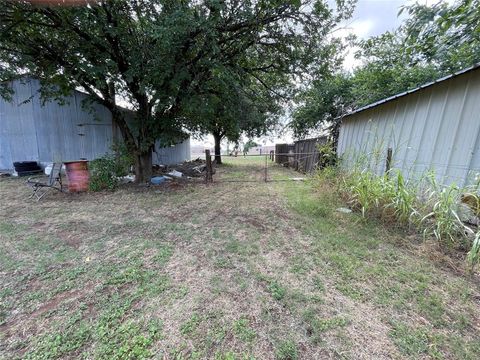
432, 42
156, 54
444, 35
320, 105
230, 107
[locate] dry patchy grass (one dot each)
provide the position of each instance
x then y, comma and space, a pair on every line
228, 271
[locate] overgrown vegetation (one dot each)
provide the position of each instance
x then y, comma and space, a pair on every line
106, 170
220, 67
432, 41
422, 204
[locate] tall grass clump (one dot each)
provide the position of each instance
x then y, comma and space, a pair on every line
423, 204
367, 192
404, 201
442, 219
473, 256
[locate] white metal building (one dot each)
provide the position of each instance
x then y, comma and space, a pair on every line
30, 131
434, 127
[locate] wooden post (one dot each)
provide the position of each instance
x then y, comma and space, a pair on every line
209, 172
388, 163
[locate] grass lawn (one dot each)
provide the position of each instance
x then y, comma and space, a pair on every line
229, 271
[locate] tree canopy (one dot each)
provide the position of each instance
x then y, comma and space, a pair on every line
433, 41
229, 108
158, 55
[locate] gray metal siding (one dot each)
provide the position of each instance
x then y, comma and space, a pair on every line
435, 128
18, 127
30, 130
171, 154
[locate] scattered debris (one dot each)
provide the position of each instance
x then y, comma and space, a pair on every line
156, 167
297, 179
126, 179
157, 180
194, 168
175, 173
48, 169
4, 174
468, 214
472, 201
344, 210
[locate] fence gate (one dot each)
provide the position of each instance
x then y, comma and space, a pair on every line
284, 166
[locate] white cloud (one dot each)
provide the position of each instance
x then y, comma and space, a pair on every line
362, 28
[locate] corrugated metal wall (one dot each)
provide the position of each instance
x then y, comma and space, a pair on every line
436, 128
50, 132
172, 154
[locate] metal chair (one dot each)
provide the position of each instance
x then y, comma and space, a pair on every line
40, 189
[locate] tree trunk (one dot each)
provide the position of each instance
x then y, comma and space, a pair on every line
218, 155
143, 167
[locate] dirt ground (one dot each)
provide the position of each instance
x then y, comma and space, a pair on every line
234, 270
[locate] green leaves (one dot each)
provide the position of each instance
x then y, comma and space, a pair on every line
432, 42
323, 103
178, 64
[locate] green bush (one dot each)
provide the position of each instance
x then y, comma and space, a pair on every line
327, 154
105, 170
103, 173
124, 158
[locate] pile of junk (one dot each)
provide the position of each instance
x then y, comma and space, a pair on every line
186, 170
78, 170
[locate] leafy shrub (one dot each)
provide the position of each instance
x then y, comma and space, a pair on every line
123, 157
327, 155
103, 173
105, 170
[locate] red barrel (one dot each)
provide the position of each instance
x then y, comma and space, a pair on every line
77, 175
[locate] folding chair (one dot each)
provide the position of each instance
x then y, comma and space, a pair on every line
40, 189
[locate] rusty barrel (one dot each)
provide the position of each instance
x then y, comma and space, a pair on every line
77, 175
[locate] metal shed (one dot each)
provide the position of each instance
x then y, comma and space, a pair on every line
435, 127
53, 132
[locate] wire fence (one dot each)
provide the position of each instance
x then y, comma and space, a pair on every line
254, 168
251, 168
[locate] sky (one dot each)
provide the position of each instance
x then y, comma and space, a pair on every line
374, 17
370, 18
